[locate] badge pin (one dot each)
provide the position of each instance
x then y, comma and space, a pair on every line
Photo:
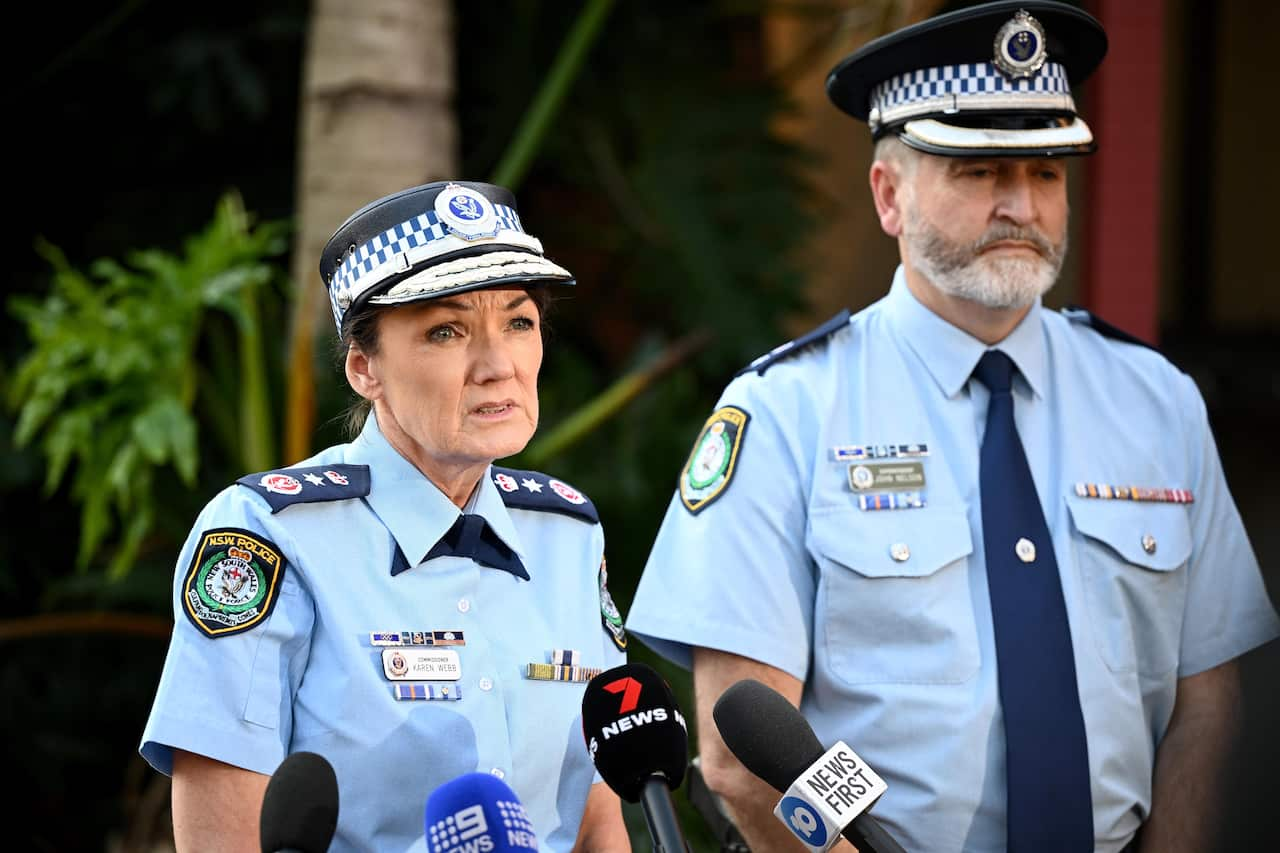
559, 672
891, 500
1142, 494
406, 663
566, 657
446, 692
857, 452
386, 638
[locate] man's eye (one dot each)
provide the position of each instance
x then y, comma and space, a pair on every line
441, 334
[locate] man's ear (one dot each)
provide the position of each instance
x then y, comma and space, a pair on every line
362, 375
887, 191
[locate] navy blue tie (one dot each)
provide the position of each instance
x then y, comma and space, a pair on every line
1046, 752
471, 537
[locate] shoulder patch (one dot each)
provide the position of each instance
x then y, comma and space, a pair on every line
233, 581
790, 348
712, 461
536, 491
1076, 314
288, 486
610, 618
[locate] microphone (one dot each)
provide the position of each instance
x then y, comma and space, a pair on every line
826, 792
639, 742
300, 806
477, 813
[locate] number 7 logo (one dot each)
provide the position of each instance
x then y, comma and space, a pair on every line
630, 690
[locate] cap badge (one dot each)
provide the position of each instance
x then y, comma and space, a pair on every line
466, 213
1020, 46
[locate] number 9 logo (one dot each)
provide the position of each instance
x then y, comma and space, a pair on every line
802, 820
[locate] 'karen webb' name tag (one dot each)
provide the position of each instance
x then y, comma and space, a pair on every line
419, 664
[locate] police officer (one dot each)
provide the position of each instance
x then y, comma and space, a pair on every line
399, 604
942, 527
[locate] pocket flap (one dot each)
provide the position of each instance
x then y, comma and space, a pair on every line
867, 542
1153, 535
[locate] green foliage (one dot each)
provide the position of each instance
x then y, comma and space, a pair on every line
110, 382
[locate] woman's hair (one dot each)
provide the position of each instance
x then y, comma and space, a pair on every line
361, 331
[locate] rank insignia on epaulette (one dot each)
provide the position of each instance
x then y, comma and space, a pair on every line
711, 463
233, 581
1104, 491
310, 484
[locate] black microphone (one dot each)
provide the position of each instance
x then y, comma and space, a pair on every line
826, 791
300, 807
639, 742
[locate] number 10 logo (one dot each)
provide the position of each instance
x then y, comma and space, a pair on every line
803, 821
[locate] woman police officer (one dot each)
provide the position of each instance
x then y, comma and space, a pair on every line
398, 604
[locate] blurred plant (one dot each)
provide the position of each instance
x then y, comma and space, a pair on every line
109, 386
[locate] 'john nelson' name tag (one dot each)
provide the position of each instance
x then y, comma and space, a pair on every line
418, 664
884, 476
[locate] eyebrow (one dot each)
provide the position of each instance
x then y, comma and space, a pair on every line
464, 306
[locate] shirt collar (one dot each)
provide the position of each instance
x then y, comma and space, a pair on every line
949, 353
411, 507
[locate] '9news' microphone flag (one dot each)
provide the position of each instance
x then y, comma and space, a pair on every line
639, 742
300, 806
477, 813
826, 792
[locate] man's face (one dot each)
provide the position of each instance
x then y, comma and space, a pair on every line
990, 231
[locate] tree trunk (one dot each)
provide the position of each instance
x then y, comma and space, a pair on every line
376, 117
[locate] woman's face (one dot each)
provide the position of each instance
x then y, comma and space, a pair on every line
454, 380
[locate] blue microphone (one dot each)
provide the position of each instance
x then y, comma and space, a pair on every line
477, 813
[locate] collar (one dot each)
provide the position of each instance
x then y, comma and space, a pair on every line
950, 354
409, 505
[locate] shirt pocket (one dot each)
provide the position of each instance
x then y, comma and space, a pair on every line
1132, 558
890, 620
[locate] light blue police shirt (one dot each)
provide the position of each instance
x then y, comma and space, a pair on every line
308, 678
897, 655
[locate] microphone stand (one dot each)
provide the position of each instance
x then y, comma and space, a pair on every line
660, 816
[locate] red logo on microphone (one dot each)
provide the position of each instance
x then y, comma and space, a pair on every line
630, 690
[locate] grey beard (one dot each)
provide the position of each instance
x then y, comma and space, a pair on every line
960, 270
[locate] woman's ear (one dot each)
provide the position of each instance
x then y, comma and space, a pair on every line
362, 375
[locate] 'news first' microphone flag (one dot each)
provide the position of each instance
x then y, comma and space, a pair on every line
826, 792
477, 813
300, 806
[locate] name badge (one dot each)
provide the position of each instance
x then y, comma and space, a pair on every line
414, 664
885, 476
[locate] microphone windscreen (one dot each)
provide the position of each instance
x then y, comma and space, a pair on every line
766, 733
477, 813
634, 729
300, 806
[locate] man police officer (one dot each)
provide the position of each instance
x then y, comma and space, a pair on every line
941, 526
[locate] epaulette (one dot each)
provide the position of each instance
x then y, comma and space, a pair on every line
790, 348
288, 486
1076, 314
538, 492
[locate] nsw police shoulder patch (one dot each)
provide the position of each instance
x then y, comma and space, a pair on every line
711, 462
233, 581
610, 617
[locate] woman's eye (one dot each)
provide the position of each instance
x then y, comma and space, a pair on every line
441, 333
522, 324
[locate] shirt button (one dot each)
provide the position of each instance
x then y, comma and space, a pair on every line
1148, 543
497, 771
1026, 550
486, 683
900, 552
463, 605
